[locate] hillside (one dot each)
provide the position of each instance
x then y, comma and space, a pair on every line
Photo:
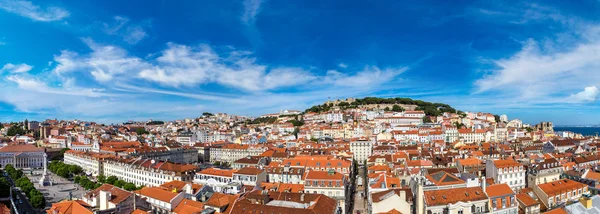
430, 109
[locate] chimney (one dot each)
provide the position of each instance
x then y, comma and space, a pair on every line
302, 197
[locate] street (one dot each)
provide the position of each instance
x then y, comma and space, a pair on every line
25, 206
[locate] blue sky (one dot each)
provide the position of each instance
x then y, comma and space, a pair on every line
113, 61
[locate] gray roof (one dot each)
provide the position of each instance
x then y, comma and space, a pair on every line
578, 208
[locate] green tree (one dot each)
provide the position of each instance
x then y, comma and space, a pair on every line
119, 183
38, 201
35, 192
101, 178
397, 108
27, 188
15, 130
62, 172
89, 185
129, 186
426, 119
74, 169
386, 109
4, 187
141, 131
15, 174
77, 179
111, 180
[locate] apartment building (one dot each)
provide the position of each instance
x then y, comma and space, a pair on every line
361, 148
221, 180
506, 171
285, 174
90, 162
232, 152
543, 172
329, 183
161, 201
502, 199
249, 176
146, 172
561, 191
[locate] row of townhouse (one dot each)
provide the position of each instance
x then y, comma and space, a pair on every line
147, 172
232, 152
140, 171
176, 154
90, 162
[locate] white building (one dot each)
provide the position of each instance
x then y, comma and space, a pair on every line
329, 183
232, 152
90, 162
362, 148
221, 180
187, 138
146, 172
161, 200
249, 176
506, 171
22, 156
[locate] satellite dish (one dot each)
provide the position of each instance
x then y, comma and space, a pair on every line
153, 161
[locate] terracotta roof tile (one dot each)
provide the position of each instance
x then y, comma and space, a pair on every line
452, 196
157, 193
497, 190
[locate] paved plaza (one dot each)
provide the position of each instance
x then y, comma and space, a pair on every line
60, 187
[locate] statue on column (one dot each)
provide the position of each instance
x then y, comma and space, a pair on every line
45, 179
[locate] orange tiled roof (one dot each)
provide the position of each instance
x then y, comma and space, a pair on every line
560, 186
69, 207
117, 195
526, 199
323, 175
187, 206
559, 210
452, 196
218, 172
506, 163
497, 190
157, 193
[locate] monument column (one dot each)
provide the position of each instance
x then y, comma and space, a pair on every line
45, 180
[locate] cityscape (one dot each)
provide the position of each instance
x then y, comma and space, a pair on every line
293, 107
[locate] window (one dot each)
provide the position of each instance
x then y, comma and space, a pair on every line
460, 211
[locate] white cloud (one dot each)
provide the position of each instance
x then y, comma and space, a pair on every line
342, 65
251, 9
182, 65
589, 94
18, 68
551, 69
369, 76
35, 85
35, 12
103, 63
134, 35
131, 33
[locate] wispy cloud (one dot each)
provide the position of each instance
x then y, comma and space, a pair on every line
121, 26
251, 10
18, 68
34, 12
549, 70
